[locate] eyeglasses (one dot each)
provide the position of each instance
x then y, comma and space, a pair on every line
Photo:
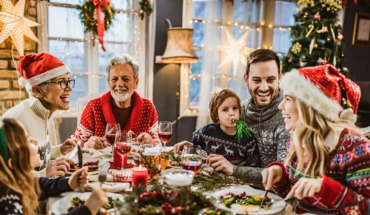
63, 84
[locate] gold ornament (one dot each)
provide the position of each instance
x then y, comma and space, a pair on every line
16, 25
296, 48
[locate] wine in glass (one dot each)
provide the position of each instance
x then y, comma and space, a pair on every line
165, 132
122, 145
191, 158
110, 132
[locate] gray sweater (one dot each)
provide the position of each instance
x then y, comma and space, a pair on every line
272, 137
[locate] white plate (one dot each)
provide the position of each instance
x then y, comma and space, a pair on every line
61, 206
276, 207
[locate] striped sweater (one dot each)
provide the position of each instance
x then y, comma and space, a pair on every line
345, 187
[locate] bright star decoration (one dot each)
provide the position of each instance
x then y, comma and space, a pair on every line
16, 25
236, 51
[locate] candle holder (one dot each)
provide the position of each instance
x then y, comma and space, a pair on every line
140, 176
151, 159
177, 185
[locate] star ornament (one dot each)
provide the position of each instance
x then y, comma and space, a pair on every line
16, 25
236, 51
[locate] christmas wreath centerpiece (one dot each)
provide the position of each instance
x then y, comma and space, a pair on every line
97, 24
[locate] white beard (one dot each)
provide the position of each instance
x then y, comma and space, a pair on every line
121, 98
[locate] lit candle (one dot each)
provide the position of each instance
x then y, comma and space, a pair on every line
140, 176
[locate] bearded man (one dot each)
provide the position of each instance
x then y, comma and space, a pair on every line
122, 104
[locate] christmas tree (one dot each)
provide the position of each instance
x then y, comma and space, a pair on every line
317, 36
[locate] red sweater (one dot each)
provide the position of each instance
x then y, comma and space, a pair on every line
98, 112
345, 186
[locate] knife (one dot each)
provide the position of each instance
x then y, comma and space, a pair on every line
264, 197
80, 163
74, 151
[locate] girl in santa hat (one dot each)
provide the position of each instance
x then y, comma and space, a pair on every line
328, 166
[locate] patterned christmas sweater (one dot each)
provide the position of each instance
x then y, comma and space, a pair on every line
345, 186
98, 112
213, 140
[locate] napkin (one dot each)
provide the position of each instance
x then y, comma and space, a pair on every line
111, 187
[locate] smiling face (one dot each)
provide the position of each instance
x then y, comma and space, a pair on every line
228, 110
289, 110
263, 82
122, 82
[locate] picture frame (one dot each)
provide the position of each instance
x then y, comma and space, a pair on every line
361, 30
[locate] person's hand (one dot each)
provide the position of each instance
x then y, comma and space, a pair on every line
67, 146
97, 199
94, 142
177, 148
305, 187
79, 177
144, 138
220, 163
58, 167
271, 176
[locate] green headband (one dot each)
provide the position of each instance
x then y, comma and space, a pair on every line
4, 151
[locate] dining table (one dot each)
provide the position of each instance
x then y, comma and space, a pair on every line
108, 158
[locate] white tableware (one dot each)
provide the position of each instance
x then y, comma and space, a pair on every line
278, 205
61, 206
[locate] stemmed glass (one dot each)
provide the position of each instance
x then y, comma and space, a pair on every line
191, 158
110, 132
165, 132
122, 145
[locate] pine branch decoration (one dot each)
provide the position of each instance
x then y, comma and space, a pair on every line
242, 127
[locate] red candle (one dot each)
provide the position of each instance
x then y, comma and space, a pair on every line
140, 176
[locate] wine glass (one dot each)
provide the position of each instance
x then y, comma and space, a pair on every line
110, 132
122, 145
191, 158
165, 132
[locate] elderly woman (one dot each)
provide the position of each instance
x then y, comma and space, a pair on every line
49, 86
122, 104
327, 168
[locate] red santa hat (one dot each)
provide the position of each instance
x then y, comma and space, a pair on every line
35, 69
320, 87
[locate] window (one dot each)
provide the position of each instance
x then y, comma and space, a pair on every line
238, 18
65, 38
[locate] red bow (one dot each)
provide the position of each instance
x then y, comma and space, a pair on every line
99, 14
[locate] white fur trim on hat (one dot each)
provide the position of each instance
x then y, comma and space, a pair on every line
297, 85
22, 81
36, 80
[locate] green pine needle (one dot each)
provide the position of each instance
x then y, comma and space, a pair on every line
242, 127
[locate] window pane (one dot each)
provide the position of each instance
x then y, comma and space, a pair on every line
124, 28
209, 9
247, 11
71, 53
194, 92
65, 23
284, 13
281, 40
196, 68
103, 84
238, 86
112, 50
253, 40
123, 5
199, 9
198, 33
79, 91
67, 1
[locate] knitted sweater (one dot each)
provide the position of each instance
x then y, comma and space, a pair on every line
345, 186
270, 132
11, 203
98, 112
213, 140
34, 117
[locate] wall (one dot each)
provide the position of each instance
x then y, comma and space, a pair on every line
167, 76
357, 59
9, 88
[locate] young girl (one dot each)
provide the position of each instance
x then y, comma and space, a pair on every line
19, 190
219, 138
327, 168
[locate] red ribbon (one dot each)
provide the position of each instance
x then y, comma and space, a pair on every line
100, 18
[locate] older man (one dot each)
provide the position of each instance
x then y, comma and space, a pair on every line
122, 104
261, 112
49, 86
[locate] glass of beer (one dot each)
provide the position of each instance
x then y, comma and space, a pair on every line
177, 185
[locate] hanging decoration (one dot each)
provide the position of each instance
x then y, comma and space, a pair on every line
236, 51
145, 8
16, 25
99, 24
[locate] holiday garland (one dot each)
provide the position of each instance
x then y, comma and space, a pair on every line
145, 8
